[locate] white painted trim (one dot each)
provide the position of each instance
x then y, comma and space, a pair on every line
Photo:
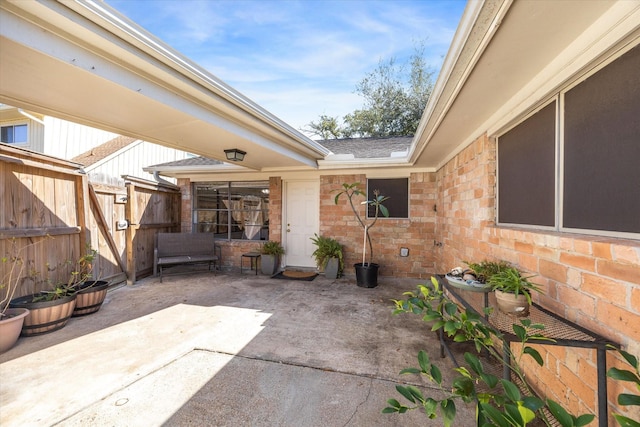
491, 30
468, 20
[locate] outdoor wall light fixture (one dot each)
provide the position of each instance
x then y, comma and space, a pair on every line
235, 155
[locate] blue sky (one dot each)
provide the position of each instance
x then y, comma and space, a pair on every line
298, 59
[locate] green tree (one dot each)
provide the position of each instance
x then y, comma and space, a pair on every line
326, 127
394, 101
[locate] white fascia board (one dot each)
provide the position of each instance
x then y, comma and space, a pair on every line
364, 163
222, 168
460, 38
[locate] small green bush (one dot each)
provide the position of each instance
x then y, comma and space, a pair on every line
272, 248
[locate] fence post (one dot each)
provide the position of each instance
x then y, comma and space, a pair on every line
131, 216
82, 212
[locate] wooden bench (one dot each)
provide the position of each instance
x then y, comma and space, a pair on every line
183, 248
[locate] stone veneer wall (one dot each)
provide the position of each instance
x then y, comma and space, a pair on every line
593, 281
388, 235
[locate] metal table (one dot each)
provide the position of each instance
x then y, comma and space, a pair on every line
254, 257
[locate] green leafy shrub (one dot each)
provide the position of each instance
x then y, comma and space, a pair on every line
511, 280
627, 399
327, 248
272, 248
500, 402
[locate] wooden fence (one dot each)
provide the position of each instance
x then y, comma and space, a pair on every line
51, 214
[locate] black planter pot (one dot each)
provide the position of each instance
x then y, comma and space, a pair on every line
366, 275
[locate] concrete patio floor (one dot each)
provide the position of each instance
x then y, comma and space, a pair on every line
225, 350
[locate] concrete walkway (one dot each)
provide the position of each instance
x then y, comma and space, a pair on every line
225, 350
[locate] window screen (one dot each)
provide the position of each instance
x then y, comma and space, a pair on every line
397, 189
232, 210
526, 171
602, 149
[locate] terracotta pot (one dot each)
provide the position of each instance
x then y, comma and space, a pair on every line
44, 316
90, 297
10, 327
511, 304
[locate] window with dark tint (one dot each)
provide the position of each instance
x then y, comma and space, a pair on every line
602, 149
397, 189
232, 210
526, 171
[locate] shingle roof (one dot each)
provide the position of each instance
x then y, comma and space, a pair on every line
192, 161
98, 153
367, 148
363, 148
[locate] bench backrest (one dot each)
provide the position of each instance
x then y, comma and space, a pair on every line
180, 244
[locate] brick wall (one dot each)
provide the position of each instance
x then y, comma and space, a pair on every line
593, 281
388, 235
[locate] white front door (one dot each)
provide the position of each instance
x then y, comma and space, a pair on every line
300, 221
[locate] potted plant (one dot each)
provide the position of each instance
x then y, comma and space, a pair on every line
11, 319
90, 296
507, 401
270, 257
49, 310
90, 293
366, 272
328, 255
513, 291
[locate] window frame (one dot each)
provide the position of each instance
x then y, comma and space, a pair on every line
13, 125
559, 97
557, 131
386, 204
230, 225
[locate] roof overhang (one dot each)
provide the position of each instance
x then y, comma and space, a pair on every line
84, 62
508, 58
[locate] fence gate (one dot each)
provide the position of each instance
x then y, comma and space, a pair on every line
51, 213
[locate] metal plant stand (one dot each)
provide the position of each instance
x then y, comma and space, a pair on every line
562, 331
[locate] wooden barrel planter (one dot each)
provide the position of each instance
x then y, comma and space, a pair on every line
90, 297
44, 316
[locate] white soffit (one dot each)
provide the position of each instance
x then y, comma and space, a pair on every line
513, 50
